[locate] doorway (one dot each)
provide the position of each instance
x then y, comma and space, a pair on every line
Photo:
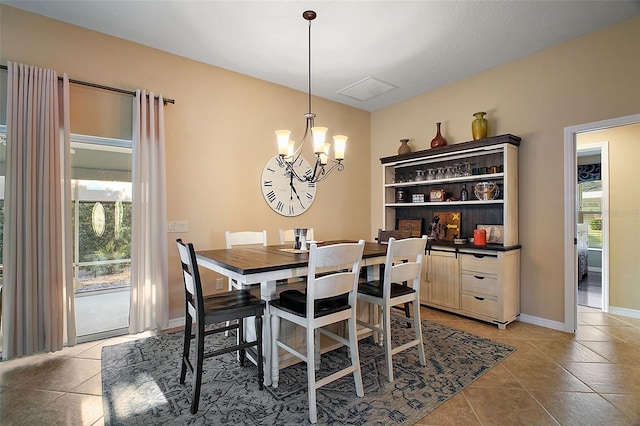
592, 200
571, 220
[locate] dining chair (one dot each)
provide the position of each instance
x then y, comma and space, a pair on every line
286, 235
330, 298
403, 264
383, 238
242, 238
398, 234
215, 309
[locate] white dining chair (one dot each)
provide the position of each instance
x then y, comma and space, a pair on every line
287, 236
403, 265
330, 298
241, 238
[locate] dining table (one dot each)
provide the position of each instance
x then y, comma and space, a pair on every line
271, 268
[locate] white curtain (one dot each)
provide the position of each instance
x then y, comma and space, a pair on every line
149, 288
37, 297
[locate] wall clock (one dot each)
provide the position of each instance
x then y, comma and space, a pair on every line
284, 193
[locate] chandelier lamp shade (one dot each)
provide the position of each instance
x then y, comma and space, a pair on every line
325, 164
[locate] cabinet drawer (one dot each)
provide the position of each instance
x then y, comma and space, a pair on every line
479, 263
480, 283
477, 305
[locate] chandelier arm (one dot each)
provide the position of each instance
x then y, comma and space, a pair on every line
325, 173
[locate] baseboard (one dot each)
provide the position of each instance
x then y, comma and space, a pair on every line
634, 313
176, 323
543, 322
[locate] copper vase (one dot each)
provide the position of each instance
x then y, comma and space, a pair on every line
439, 140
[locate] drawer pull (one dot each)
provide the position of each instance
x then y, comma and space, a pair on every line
478, 278
478, 298
479, 256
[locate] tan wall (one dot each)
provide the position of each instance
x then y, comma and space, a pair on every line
624, 212
219, 134
588, 79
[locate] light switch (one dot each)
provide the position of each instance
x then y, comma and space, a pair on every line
178, 226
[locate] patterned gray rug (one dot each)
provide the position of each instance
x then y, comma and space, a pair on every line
140, 383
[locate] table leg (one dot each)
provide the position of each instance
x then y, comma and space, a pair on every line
267, 293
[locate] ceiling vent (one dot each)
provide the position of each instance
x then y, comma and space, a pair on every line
366, 89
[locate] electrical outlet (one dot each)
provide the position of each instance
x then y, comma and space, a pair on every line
219, 283
178, 226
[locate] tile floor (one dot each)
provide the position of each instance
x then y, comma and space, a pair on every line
590, 378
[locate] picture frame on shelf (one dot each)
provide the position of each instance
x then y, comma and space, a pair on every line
413, 225
495, 233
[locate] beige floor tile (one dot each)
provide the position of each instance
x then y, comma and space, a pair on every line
20, 370
95, 352
15, 404
608, 378
616, 352
576, 408
629, 320
69, 409
453, 411
99, 422
507, 407
567, 351
593, 334
93, 386
64, 375
543, 374
627, 334
601, 318
628, 404
497, 377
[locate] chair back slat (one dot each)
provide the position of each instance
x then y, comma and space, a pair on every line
245, 237
344, 257
404, 262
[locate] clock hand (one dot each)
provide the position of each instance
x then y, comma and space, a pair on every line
296, 192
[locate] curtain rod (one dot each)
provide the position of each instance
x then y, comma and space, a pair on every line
100, 86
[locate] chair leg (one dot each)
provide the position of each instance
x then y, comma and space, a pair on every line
418, 328
316, 348
197, 376
186, 347
259, 361
407, 313
241, 339
386, 326
355, 356
275, 364
311, 375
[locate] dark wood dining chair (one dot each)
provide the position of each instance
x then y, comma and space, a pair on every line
330, 298
215, 309
383, 238
403, 264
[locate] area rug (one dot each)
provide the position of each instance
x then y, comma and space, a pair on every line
140, 383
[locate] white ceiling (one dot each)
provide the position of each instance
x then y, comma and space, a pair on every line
415, 46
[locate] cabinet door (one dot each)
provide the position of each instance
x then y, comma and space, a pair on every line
443, 279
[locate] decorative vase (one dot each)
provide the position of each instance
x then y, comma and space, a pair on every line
404, 148
439, 140
479, 126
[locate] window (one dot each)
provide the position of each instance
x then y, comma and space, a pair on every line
590, 210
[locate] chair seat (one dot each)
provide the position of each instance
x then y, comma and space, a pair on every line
295, 302
231, 305
374, 288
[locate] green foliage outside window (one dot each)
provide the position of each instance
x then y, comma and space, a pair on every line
115, 241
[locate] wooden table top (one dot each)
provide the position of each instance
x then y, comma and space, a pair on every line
252, 259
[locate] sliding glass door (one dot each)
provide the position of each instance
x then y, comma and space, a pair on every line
101, 215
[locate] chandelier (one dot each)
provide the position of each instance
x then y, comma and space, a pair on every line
287, 148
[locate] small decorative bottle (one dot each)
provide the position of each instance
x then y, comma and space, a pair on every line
479, 126
404, 148
438, 140
464, 194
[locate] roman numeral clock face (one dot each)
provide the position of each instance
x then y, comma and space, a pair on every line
287, 196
